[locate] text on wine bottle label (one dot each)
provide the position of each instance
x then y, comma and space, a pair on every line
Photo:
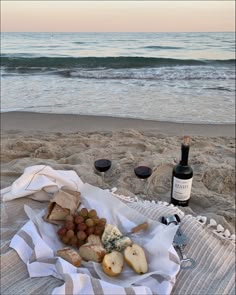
182, 188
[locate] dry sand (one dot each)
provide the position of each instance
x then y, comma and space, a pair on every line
74, 142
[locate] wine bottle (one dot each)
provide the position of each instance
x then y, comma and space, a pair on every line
182, 177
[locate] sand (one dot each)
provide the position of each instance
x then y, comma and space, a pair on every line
74, 142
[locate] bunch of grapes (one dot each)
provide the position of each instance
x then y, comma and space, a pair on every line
79, 226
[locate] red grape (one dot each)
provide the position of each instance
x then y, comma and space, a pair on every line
89, 231
70, 233
78, 219
89, 222
62, 231
83, 212
81, 235
82, 226
69, 225
92, 213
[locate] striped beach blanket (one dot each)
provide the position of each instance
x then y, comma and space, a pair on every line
211, 246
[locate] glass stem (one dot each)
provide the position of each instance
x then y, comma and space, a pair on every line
103, 179
146, 187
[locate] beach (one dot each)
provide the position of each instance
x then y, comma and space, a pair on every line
73, 142
137, 84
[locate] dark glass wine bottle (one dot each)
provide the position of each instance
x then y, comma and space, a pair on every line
182, 177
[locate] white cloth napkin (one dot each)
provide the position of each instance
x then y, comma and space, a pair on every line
37, 241
40, 180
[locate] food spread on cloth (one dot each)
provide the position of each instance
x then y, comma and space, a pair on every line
107, 251
104, 237
91, 238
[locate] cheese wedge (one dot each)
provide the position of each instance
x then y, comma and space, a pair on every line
113, 239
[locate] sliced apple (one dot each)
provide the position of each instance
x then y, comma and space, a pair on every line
136, 258
113, 263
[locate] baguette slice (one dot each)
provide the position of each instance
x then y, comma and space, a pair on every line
92, 252
113, 263
135, 257
70, 255
58, 213
94, 239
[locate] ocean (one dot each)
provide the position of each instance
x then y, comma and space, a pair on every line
175, 77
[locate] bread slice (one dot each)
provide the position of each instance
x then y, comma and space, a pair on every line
94, 239
136, 258
70, 255
58, 213
92, 252
113, 263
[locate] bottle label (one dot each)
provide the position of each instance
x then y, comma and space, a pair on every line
182, 189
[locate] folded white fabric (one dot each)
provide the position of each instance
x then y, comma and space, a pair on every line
40, 180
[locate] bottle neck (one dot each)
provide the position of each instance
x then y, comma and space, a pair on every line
184, 154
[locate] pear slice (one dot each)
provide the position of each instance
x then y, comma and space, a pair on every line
113, 263
135, 258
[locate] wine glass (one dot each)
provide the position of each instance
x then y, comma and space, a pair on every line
102, 165
143, 173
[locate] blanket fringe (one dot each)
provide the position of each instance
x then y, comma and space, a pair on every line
217, 229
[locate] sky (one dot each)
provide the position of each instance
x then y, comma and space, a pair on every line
118, 16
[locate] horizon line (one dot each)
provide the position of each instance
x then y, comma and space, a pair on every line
118, 31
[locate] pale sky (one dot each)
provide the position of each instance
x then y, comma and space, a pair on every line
117, 16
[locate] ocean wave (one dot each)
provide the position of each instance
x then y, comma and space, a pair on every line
221, 88
184, 73
154, 74
78, 42
121, 62
161, 47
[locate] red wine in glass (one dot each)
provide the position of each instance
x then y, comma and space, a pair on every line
143, 172
102, 165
